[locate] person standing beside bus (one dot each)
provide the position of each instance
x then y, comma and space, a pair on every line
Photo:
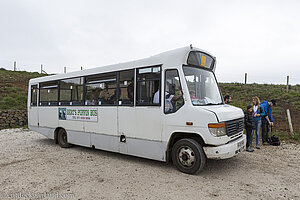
227, 99
249, 126
258, 113
267, 120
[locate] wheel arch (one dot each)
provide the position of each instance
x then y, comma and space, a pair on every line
56, 134
181, 135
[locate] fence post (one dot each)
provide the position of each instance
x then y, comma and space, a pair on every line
15, 65
245, 78
290, 121
287, 83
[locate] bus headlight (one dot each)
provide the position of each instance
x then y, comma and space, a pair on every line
218, 129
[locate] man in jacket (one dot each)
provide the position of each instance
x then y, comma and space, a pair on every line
267, 120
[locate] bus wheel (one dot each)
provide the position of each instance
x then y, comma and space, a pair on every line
62, 139
188, 156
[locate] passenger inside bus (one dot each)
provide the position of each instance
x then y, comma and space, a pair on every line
130, 89
90, 99
104, 94
195, 100
112, 98
172, 96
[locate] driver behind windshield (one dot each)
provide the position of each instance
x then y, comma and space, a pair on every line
172, 95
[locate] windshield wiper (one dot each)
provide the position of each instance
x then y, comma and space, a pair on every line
209, 104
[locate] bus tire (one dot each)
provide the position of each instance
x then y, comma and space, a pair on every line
63, 139
188, 156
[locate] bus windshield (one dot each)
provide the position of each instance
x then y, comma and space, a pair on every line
202, 86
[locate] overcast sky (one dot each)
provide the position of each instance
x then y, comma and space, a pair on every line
261, 38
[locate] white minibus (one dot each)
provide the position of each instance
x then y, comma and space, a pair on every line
167, 107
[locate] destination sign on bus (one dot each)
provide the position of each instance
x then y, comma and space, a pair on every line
78, 114
200, 59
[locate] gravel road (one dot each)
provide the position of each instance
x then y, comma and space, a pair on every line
33, 167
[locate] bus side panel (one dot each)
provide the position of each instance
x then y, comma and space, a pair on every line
79, 138
146, 148
107, 121
104, 133
127, 121
71, 125
136, 147
33, 116
48, 132
48, 117
105, 142
148, 123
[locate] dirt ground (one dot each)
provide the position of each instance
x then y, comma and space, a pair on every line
33, 167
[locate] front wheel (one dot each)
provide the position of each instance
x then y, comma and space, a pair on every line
188, 156
63, 139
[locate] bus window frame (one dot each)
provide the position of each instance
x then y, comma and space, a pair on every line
37, 91
119, 88
117, 73
165, 79
85, 86
207, 69
52, 103
136, 84
64, 103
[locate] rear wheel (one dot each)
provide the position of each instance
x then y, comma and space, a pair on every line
188, 156
63, 139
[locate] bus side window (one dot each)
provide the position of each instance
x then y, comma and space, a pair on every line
173, 92
101, 89
126, 85
71, 92
148, 86
33, 100
49, 93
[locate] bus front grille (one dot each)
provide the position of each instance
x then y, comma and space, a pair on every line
234, 126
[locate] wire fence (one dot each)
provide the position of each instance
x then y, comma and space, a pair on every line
282, 126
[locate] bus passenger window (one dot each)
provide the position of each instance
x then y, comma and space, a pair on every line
49, 93
148, 86
71, 92
173, 92
126, 85
33, 101
101, 89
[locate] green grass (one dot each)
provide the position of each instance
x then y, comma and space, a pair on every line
17, 76
13, 88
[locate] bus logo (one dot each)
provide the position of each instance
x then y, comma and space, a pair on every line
78, 114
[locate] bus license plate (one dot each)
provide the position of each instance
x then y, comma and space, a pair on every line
240, 144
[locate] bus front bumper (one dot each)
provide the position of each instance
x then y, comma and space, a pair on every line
227, 150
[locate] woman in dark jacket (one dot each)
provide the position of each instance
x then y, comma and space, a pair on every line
249, 126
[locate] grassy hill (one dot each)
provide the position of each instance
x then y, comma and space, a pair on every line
13, 88
13, 95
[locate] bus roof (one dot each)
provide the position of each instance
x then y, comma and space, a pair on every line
170, 58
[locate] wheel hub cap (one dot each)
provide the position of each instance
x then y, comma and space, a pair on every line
186, 156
